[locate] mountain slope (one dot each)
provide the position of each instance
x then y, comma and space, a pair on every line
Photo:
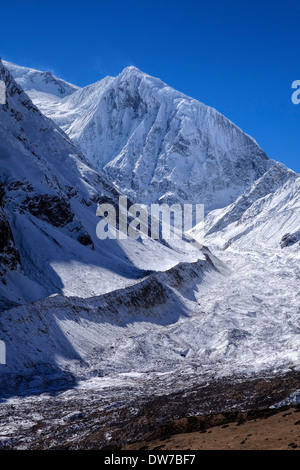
157, 144
40, 85
189, 323
49, 195
261, 217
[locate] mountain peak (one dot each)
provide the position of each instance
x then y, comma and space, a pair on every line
157, 143
36, 82
132, 70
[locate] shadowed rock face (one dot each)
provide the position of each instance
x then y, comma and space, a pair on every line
9, 255
57, 212
52, 209
290, 239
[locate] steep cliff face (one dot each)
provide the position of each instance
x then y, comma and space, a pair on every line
158, 144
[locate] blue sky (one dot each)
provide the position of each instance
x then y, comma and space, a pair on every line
239, 57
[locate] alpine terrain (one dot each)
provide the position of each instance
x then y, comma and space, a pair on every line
111, 341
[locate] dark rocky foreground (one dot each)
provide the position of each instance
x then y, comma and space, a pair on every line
85, 419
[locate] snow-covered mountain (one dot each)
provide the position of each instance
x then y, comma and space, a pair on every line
266, 215
39, 85
48, 201
157, 144
146, 316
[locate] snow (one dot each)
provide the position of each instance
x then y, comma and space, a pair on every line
155, 143
38, 159
40, 85
228, 323
120, 313
292, 400
260, 217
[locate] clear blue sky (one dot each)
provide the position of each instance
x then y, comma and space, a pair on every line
240, 57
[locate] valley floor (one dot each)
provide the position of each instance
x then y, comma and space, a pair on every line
89, 417
232, 347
